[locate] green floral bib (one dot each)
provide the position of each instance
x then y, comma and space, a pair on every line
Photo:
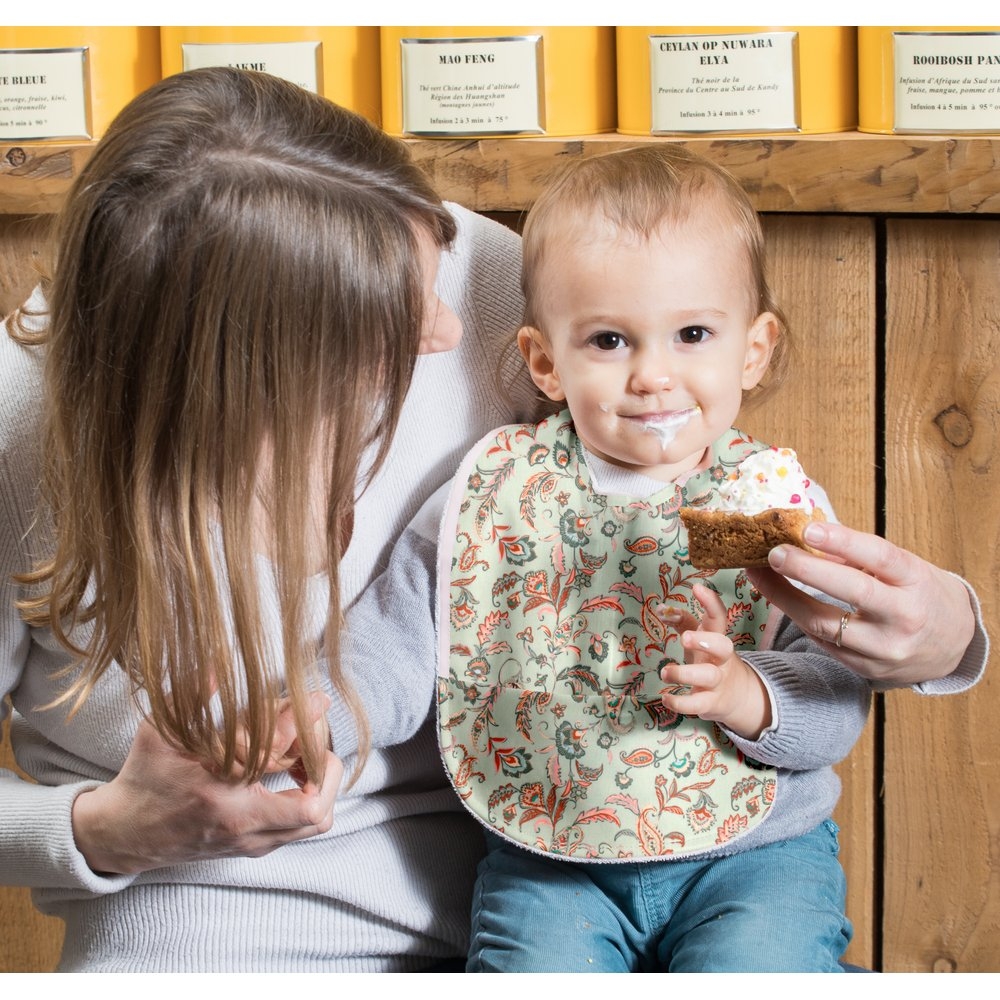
550, 720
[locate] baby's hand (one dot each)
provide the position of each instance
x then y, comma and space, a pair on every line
721, 686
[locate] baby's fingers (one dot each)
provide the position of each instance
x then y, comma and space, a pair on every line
693, 676
716, 617
706, 647
679, 619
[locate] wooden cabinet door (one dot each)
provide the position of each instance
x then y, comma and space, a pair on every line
823, 275
22, 254
942, 755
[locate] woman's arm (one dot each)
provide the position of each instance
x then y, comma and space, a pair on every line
388, 647
912, 623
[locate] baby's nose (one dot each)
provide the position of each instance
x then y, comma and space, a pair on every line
650, 378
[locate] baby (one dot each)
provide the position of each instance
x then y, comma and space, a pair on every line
656, 797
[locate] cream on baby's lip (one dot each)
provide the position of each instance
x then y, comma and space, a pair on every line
665, 426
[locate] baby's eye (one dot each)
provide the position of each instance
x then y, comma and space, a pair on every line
693, 335
607, 340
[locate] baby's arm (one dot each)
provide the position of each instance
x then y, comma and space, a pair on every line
821, 706
723, 687
818, 707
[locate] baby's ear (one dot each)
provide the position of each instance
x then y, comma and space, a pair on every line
535, 349
761, 340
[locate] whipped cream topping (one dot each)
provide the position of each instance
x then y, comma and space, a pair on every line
769, 478
667, 428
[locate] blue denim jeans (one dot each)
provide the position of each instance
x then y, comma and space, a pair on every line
776, 908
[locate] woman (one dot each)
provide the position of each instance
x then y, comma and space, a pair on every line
244, 276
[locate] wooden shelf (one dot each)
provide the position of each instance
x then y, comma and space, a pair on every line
34, 177
843, 172
846, 172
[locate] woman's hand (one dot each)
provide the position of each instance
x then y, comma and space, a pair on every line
721, 686
167, 808
911, 621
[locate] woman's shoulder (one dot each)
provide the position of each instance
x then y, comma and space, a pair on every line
483, 230
484, 261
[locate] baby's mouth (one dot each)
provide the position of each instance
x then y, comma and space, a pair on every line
665, 425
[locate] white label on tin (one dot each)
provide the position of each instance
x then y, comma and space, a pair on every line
472, 86
44, 94
946, 82
297, 62
724, 83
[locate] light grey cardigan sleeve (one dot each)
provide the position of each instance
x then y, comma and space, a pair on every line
388, 647
821, 706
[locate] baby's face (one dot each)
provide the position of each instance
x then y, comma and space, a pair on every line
651, 343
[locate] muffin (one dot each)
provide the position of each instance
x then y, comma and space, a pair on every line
765, 503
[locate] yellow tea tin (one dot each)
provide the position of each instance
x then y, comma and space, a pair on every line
341, 63
736, 80
929, 79
498, 81
68, 83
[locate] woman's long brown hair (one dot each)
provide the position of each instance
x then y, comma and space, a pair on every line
236, 296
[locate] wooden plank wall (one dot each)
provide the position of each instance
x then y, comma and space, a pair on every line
823, 275
942, 755
920, 819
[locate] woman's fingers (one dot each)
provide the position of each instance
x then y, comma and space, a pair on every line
864, 551
166, 808
285, 750
306, 815
909, 621
844, 583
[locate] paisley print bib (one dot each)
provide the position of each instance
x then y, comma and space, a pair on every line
550, 719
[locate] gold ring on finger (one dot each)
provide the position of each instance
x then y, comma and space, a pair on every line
844, 619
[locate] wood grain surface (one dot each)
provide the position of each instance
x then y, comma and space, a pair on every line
823, 275
941, 774
847, 172
840, 172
